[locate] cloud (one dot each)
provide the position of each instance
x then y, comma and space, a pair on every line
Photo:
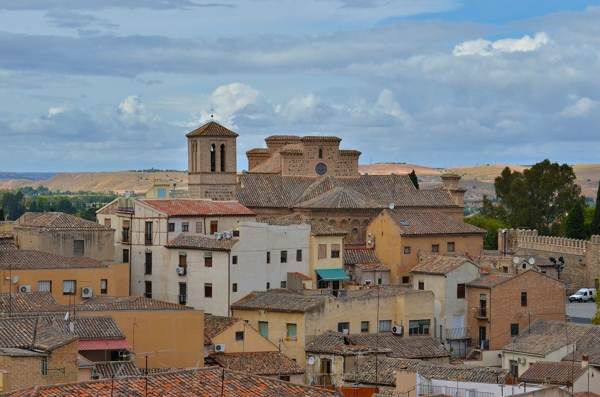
100, 4
486, 48
582, 107
70, 19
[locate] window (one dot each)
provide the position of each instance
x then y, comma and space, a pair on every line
407, 250
125, 234
45, 286
239, 336
104, 286
291, 331
69, 287
364, 326
450, 247
107, 222
125, 256
514, 329
185, 227
283, 284
268, 286
435, 248
236, 233
222, 158
285, 378
418, 327
148, 293
298, 255
234, 287
208, 259
385, 325
182, 293
421, 285
268, 257
320, 153
514, 367
405, 279
198, 227
322, 251
162, 192
523, 298
335, 250
148, 264
171, 227
234, 260
283, 256
460, 291
78, 247
208, 290
344, 328
44, 368
263, 328
148, 233
213, 163
214, 227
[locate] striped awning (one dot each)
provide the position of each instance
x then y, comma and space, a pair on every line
104, 344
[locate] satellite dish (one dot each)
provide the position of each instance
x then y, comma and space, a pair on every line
15, 279
311, 360
531, 261
67, 316
127, 195
72, 327
392, 206
516, 260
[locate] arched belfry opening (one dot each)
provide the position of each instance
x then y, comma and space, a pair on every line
320, 153
222, 157
213, 160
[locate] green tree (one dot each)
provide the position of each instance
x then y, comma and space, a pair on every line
574, 225
65, 205
595, 226
414, 179
13, 205
490, 242
1, 214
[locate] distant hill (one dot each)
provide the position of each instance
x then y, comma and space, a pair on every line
27, 176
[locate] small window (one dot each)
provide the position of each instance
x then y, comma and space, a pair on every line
364, 326
104, 286
268, 257
234, 260
268, 286
214, 227
421, 285
148, 264
283, 256
208, 259
283, 284
199, 227
107, 222
234, 287
185, 227
239, 336
148, 289
171, 226
320, 153
435, 248
322, 251
263, 328
125, 256
44, 369
69, 287
403, 222
285, 378
514, 367
148, 233
418, 327
344, 328
236, 233
405, 279
407, 250
450, 247
45, 286
385, 325
460, 291
298, 255
514, 329
523, 299
291, 331
162, 192
208, 290
78, 247
335, 250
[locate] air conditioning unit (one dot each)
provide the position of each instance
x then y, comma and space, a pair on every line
24, 288
220, 348
86, 292
368, 282
227, 235
218, 236
398, 329
180, 271
521, 360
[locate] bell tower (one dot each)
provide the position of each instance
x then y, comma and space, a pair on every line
212, 162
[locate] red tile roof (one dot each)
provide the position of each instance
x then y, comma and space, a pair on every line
29, 302
59, 221
32, 333
561, 373
109, 303
279, 300
212, 128
300, 275
353, 256
191, 207
30, 259
259, 363
429, 223
215, 325
201, 242
6, 235
440, 264
340, 197
104, 344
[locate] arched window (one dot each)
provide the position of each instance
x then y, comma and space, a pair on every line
320, 153
213, 165
222, 158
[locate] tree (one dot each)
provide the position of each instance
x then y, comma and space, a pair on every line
595, 226
574, 225
414, 179
490, 242
13, 205
1, 214
65, 205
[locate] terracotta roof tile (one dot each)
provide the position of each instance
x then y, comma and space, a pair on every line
212, 128
29, 302
300, 275
429, 223
119, 368
279, 300
490, 281
258, 363
287, 138
587, 344
193, 207
340, 197
201, 242
440, 264
559, 373
59, 221
97, 327
6, 235
32, 333
546, 336
258, 151
215, 325
110, 303
354, 256
30, 259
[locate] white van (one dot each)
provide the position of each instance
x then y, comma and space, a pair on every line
584, 295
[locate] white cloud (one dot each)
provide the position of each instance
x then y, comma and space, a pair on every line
487, 48
133, 111
580, 108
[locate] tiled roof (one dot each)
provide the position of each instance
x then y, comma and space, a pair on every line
587, 344
60, 221
353, 256
331, 342
4, 245
32, 333
490, 281
30, 259
429, 223
290, 138
207, 382
83, 362
212, 128
6, 235
300, 275
16, 352
317, 228
440, 264
383, 291
258, 151
259, 363
29, 302
97, 327
110, 303
492, 253
119, 368
350, 153
193, 207
387, 367
201, 242
270, 166
340, 197
559, 373
279, 300
215, 325
546, 336
273, 190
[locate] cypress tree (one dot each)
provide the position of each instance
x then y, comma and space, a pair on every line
414, 179
574, 225
595, 227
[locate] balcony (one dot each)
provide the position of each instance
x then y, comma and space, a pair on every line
458, 333
427, 389
125, 236
481, 313
148, 295
182, 299
148, 239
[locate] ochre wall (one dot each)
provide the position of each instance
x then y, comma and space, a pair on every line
253, 340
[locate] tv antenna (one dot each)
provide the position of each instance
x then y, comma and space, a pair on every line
212, 111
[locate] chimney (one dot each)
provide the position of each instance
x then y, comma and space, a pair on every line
584, 361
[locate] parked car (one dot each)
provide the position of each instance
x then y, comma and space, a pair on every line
584, 295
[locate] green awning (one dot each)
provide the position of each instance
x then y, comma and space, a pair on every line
332, 274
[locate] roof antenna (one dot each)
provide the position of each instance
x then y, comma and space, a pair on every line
212, 111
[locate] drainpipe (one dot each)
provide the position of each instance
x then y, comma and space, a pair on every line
204, 222
229, 283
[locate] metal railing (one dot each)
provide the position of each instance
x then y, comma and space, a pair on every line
458, 333
426, 389
125, 236
182, 299
148, 239
480, 312
148, 295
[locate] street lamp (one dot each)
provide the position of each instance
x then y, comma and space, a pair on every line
558, 267
504, 235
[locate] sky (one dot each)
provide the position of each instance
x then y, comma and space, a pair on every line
110, 85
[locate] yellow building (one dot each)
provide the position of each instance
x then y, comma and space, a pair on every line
398, 236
